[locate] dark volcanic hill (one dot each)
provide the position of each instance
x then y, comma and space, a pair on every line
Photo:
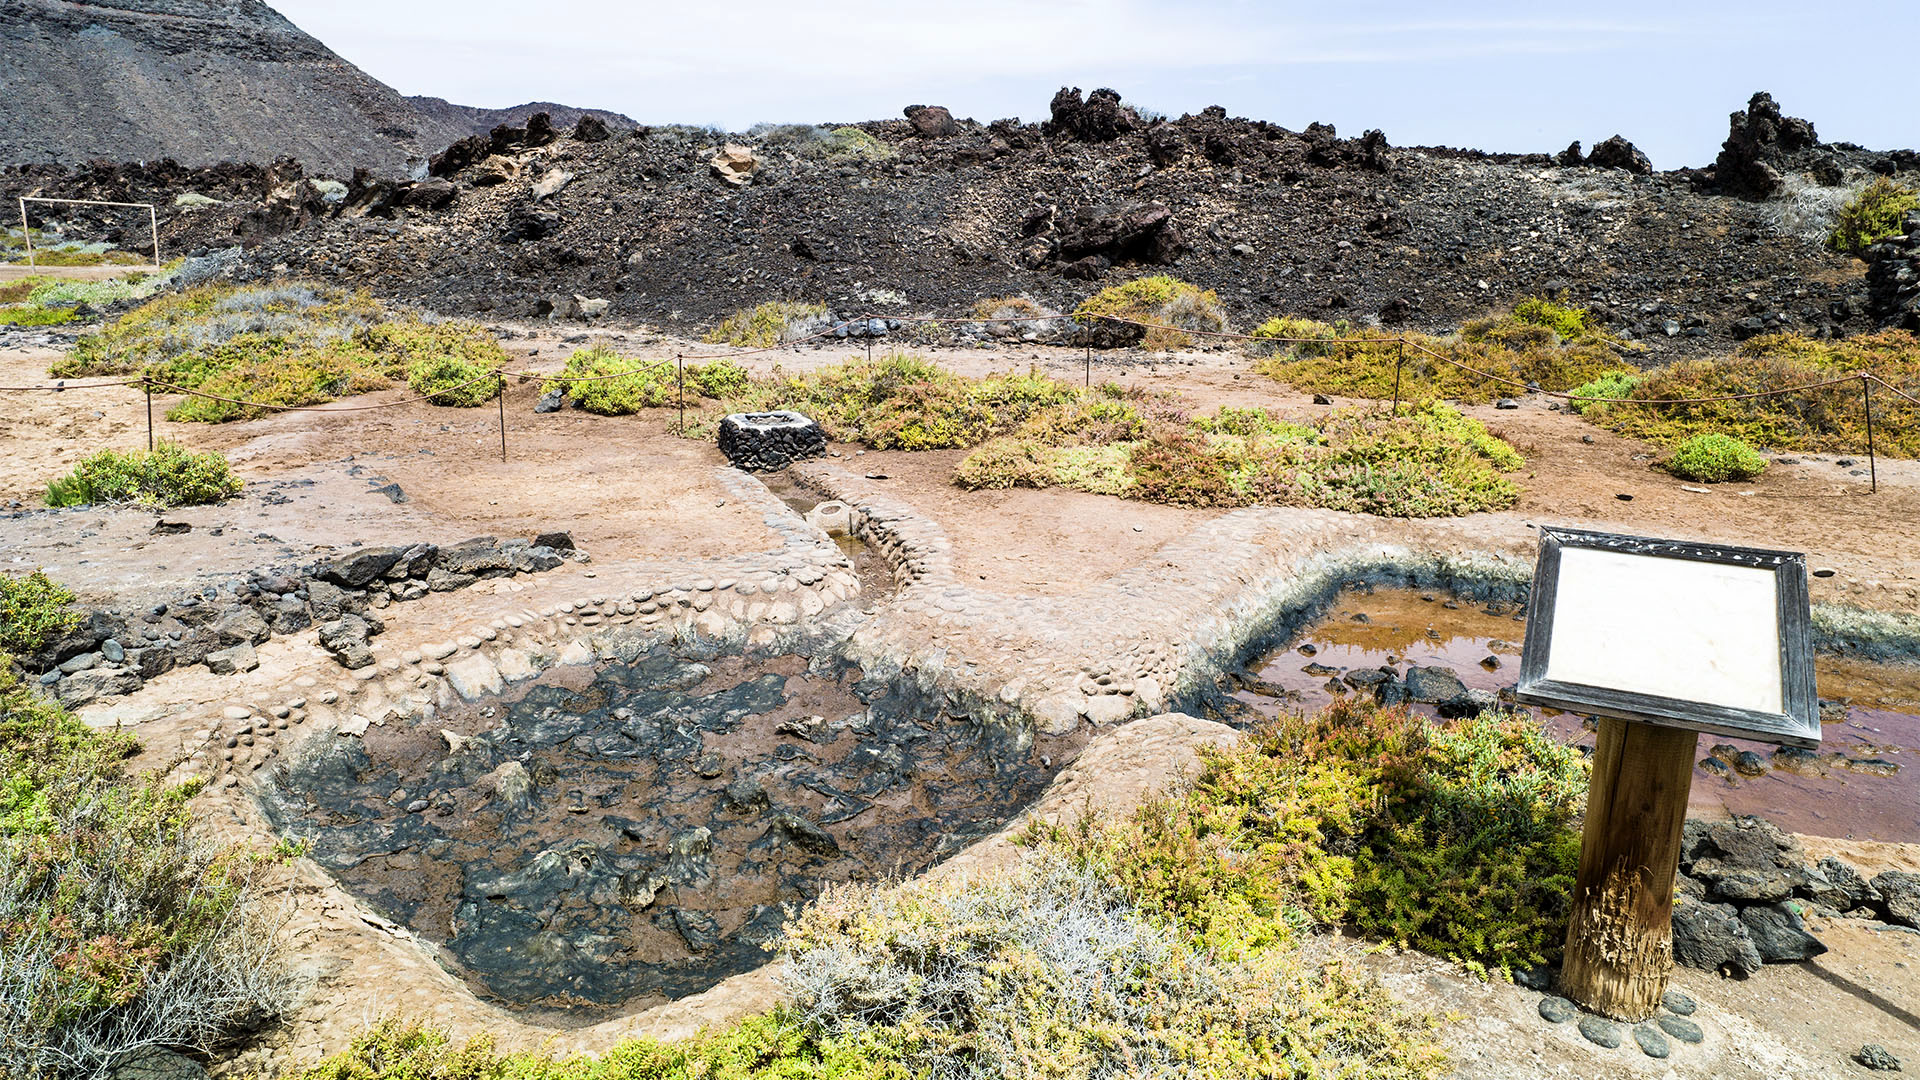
930, 214
204, 81
462, 120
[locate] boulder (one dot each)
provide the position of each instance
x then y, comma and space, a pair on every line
1712, 936
792, 829
735, 164
931, 121
1100, 117
325, 600
554, 541
1141, 232
1760, 142
346, 638
1618, 153
495, 170
555, 181
240, 623
1837, 885
480, 556
1433, 685
232, 660
1779, 934
434, 193
1899, 897
590, 128
466, 152
356, 569
526, 223
82, 687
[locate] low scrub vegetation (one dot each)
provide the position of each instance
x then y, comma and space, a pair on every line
44, 301
169, 476
1540, 342
1175, 308
1713, 458
275, 345
34, 610
1042, 971
616, 385
1872, 215
1424, 462
120, 927
769, 324
1456, 838
453, 380
1827, 419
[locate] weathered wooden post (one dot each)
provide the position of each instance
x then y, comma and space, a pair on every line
1662, 639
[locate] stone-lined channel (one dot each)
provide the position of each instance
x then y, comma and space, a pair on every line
626, 834
1863, 783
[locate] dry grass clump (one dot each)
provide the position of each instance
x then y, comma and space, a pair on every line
287, 344
1539, 343
1175, 308
769, 324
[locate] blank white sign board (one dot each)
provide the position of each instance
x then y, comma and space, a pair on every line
1708, 637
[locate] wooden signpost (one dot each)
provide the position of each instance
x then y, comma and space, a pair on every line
1661, 639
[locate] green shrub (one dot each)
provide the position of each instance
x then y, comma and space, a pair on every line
1046, 970
1174, 306
1826, 419
274, 345
619, 385
1873, 215
451, 380
169, 476
120, 928
767, 325
1006, 462
1567, 323
1614, 384
1372, 362
1713, 458
1302, 337
1455, 838
34, 610
717, 379
34, 315
853, 144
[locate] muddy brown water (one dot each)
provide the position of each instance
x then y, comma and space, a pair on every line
621, 837
1871, 711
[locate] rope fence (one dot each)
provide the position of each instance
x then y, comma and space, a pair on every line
847, 328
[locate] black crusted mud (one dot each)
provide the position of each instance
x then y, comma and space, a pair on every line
637, 834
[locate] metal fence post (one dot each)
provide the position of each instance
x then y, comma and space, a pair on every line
1873, 467
148, 387
1399, 362
680, 379
502, 396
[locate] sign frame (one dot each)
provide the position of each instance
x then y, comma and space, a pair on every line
1797, 724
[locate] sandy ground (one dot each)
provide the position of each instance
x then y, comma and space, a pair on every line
626, 487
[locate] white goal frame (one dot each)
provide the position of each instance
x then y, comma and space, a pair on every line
26, 229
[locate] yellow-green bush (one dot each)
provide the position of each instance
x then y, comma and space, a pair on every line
286, 344
1302, 337
1425, 462
120, 925
1713, 458
1173, 306
1514, 349
171, 475
1872, 215
1827, 419
34, 610
764, 326
1594, 398
451, 380
1456, 838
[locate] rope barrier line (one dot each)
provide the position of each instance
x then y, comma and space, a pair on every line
502, 373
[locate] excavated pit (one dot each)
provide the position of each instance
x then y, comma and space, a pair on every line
1863, 783
616, 837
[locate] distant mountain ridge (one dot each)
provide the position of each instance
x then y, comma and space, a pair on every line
471, 120
204, 81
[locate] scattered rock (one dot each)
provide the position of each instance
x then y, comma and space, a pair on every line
1899, 893
1682, 1028
232, 660
1600, 1031
1875, 1057
931, 121
1779, 934
346, 638
1677, 1002
1711, 936
1652, 1042
1558, 1010
735, 164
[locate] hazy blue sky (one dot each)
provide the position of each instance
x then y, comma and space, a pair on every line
1498, 76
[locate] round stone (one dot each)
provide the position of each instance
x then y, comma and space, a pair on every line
1677, 1003
1558, 1010
1681, 1028
1600, 1031
1652, 1043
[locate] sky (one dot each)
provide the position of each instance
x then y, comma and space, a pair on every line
1515, 77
